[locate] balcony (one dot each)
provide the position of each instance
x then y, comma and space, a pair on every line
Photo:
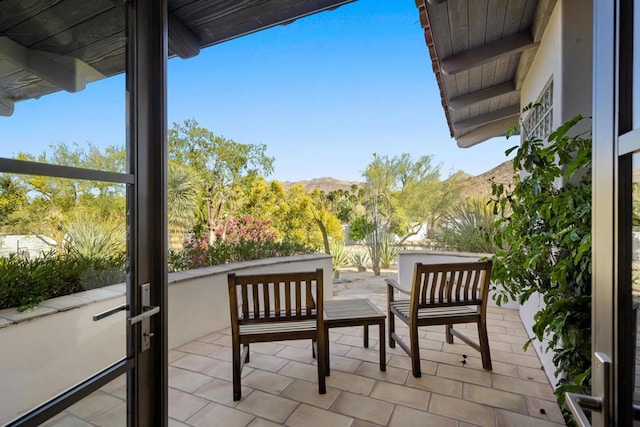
280, 382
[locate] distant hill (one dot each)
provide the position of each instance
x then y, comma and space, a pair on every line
476, 186
480, 185
326, 184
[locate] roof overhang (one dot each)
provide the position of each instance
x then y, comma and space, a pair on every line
41, 53
481, 52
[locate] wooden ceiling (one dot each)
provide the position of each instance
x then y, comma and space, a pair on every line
481, 51
52, 45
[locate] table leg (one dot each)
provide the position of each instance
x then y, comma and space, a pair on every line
366, 336
383, 347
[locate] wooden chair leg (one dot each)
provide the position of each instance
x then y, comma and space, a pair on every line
447, 332
322, 363
237, 370
314, 344
327, 356
392, 329
484, 345
415, 351
246, 360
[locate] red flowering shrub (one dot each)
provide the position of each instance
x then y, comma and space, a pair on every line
248, 229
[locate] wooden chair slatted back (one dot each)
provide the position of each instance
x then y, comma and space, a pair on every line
450, 284
262, 298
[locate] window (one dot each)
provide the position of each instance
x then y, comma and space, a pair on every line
539, 122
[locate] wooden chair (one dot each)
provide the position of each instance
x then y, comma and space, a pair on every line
442, 294
275, 307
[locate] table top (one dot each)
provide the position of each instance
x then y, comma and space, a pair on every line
336, 310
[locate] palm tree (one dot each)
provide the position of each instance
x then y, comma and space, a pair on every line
182, 202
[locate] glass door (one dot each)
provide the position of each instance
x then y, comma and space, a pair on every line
82, 217
616, 218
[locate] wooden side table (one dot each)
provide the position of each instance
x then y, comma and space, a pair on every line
354, 312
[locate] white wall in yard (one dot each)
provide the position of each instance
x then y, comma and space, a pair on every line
58, 345
564, 55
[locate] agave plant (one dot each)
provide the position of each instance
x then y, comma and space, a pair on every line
388, 252
360, 260
340, 256
90, 237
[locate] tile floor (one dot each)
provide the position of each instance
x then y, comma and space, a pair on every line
280, 384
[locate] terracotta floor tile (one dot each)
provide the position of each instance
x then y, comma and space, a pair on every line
224, 370
366, 408
524, 387
307, 392
464, 374
496, 398
266, 362
199, 347
510, 419
183, 405
349, 382
267, 381
215, 415
401, 395
186, 380
436, 384
462, 410
268, 406
392, 375
407, 417
309, 416
94, 405
220, 391
299, 370
551, 410
194, 362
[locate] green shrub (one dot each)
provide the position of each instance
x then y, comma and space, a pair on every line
24, 283
388, 252
199, 253
360, 259
340, 255
468, 228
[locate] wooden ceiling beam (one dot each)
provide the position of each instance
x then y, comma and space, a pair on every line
485, 132
493, 116
509, 45
434, 2
491, 92
182, 41
40, 64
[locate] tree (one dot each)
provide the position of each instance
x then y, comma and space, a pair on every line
13, 200
399, 196
224, 167
182, 202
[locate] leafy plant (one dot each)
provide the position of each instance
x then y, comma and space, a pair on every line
340, 255
360, 258
544, 240
388, 252
469, 227
90, 237
199, 253
24, 283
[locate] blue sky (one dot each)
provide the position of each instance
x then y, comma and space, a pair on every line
323, 94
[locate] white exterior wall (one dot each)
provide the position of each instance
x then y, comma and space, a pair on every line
58, 345
565, 56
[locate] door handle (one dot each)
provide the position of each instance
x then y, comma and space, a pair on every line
596, 404
109, 312
147, 311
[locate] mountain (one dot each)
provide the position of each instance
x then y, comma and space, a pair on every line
475, 186
326, 184
480, 185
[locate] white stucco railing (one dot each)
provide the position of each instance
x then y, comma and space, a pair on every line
54, 347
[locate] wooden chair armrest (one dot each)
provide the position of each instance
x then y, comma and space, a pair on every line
393, 284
